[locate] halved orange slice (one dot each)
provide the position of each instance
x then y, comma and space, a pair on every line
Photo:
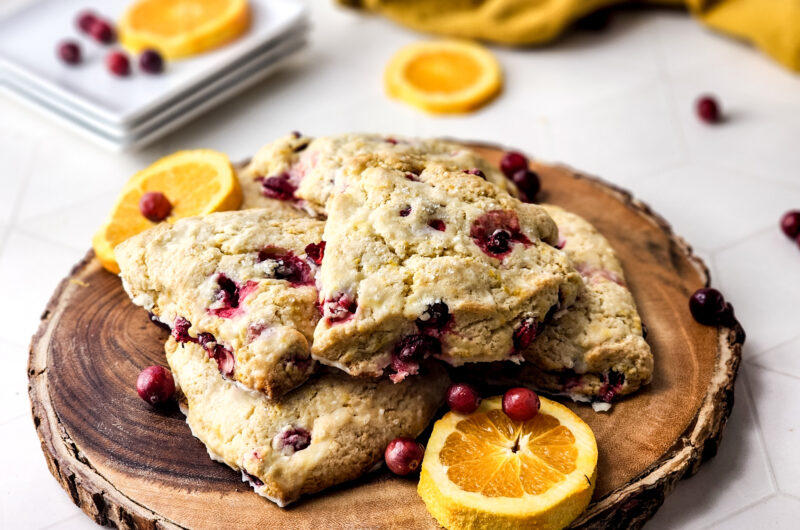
484, 470
445, 76
195, 182
179, 28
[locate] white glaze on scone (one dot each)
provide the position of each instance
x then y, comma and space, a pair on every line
313, 169
338, 426
244, 278
404, 237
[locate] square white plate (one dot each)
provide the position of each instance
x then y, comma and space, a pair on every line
242, 72
145, 137
29, 38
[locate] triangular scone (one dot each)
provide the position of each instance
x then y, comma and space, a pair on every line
304, 172
239, 283
332, 429
596, 347
436, 263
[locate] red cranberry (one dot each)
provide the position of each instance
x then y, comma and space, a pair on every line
499, 242
102, 31
278, 187
405, 211
520, 404
513, 162
150, 61
463, 398
155, 206
528, 184
288, 266
414, 348
437, 224
340, 308
295, 438
524, 334
435, 316
476, 172
224, 358
69, 52
180, 330
790, 223
206, 340
494, 231
85, 20
315, 252
612, 384
707, 305
155, 385
708, 109
118, 63
412, 177
404, 455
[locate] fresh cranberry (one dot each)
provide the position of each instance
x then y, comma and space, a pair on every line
513, 162
463, 398
437, 224
294, 438
339, 308
790, 223
520, 404
708, 109
150, 61
495, 230
85, 20
118, 64
278, 187
404, 455
475, 171
435, 316
155, 320
707, 305
155, 385
70, 52
180, 330
316, 251
155, 206
101, 31
612, 384
524, 334
288, 266
414, 348
528, 184
405, 211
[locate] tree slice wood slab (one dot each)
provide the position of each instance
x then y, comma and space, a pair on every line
129, 466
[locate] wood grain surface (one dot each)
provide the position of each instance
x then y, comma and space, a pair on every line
129, 466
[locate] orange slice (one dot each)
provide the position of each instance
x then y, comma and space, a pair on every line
179, 28
484, 470
446, 76
196, 182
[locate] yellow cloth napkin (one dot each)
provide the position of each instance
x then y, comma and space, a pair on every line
772, 25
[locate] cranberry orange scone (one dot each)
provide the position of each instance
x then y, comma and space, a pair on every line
430, 263
303, 172
240, 284
332, 429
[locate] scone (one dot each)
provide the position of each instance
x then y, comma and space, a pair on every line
596, 349
428, 261
240, 284
303, 172
332, 429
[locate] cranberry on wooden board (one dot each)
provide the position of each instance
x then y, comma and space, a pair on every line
155, 385
707, 306
527, 183
513, 162
463, 398
404, 455
520, 404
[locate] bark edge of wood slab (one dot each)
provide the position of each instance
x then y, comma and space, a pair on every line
111, 480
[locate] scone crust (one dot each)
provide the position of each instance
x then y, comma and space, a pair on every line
349, 422
174, 271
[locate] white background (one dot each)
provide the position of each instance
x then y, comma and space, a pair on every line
618, 104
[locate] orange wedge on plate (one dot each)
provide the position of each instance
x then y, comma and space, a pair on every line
446, 76
179, 28
484, 470
195, 182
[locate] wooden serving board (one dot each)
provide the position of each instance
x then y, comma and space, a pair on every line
129, 466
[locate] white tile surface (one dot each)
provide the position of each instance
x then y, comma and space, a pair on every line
617, 103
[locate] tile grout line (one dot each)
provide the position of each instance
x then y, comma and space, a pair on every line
744, 239
772, 370
740, 510
771, 349
760, 431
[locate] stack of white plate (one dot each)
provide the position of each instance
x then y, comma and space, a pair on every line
130, 112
